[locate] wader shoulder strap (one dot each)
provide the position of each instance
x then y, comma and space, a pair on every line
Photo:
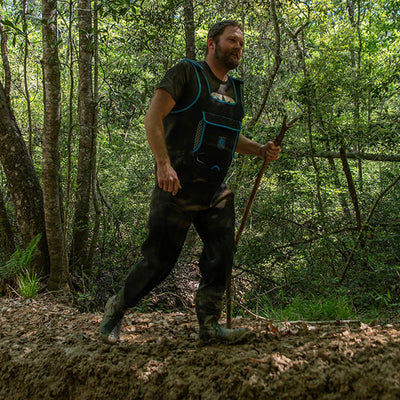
196, 66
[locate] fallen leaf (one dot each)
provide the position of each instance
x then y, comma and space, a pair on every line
273, 329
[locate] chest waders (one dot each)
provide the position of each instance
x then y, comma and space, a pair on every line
201, 139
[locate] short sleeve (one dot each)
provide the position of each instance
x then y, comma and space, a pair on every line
176, 80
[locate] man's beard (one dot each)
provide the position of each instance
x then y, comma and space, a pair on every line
226, 58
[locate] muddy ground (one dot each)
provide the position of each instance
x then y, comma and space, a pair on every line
51, 351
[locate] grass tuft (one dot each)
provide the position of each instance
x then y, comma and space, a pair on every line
316, 308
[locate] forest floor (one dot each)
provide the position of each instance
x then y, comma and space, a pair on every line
51, 351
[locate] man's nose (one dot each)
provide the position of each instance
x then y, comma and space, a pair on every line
237, 45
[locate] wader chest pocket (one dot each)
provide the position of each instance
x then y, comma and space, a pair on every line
215, 141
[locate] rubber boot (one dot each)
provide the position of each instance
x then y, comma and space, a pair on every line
110, 326
212, 331
208, 310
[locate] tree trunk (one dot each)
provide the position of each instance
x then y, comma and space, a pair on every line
355, 56
51, 156
189, 29
6, 233
336, 180
70, 58
24, 4
6, 64
352, 189
86, 123
96, 207
23, 183
275, 67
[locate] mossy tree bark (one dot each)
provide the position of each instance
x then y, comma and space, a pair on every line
86, 110
23, 183
51, 156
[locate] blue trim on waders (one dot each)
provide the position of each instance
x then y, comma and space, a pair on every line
234, 90
221, 126
237, 138
194, 63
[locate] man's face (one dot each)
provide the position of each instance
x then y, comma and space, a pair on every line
228, 47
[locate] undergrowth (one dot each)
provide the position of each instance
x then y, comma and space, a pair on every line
16, 271
313, 309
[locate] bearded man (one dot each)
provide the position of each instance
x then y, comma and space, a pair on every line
193, 128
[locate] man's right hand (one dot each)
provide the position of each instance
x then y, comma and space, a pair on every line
160, 107
167, 178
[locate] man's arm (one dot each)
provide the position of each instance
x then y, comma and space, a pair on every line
268, 151
160, 107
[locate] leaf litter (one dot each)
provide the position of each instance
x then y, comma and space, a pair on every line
51, 351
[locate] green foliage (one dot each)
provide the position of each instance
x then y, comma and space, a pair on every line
28, 283
316, 308
20, 261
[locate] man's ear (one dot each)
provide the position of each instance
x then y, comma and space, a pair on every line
210, 44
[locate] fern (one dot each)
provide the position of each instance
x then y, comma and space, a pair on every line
20, 260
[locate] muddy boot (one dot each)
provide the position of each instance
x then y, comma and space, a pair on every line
110, 326
208, 310
212, 331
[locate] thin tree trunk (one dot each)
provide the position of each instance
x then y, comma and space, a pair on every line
275, 67
6, 233
351, 186
353, 194
23, 183
70, 120
342, 198
96, 228
355, 56
6, 64
336, 180
26, 86
51, 156
189, 29
86, 123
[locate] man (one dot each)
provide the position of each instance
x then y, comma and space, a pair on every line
193, 129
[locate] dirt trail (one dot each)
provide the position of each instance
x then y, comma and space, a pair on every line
51, 351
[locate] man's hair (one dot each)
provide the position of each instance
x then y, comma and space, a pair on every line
218, 29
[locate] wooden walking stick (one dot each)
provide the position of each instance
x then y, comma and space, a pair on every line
277, 142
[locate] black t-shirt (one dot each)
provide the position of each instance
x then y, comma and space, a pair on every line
178, 77
202, 129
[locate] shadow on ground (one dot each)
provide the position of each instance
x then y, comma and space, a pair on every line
51, 351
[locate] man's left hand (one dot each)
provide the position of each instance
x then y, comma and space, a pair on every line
269, 151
